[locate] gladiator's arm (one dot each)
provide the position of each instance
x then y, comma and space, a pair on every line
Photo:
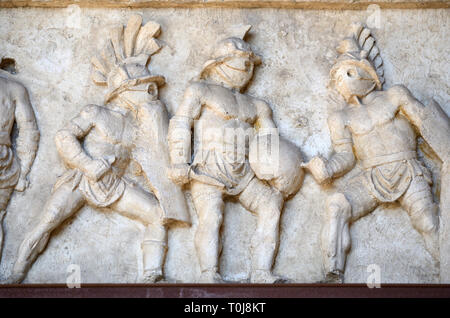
70, 148
180, 126
28, 138
343, 159
430, 121
406, 102
408, 105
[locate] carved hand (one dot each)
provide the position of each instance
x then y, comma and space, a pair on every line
318, 168
179, 173
22, 184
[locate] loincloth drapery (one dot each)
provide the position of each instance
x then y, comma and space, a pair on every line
235, 176
9, 168
101, 193
388, 182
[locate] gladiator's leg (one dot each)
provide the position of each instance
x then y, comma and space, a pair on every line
267, 204
336, 235
154, 248
63, 203
135, 203
343, 208
418, 203
5, 195
209, 205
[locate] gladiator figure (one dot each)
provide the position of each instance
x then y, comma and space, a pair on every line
376, 130
15, 161
220, 113
102, 143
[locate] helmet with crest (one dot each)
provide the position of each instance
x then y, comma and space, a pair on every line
231, 46
360, 50
123, 62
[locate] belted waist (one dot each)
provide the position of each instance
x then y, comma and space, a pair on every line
380, 160
5, 138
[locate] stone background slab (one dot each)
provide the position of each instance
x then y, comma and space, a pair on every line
52, 49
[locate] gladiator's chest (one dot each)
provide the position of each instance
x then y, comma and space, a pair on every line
368, 118
229, 105
116, 129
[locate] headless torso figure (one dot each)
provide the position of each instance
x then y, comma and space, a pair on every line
97, 146
375, 129
15, 108
218, 110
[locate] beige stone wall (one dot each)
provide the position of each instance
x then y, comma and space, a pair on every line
52, 49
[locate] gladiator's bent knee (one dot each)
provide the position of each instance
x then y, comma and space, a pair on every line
426, 222
270, 207
336, 234
210, 215
423, 212
427, 219
212, 220
338, 207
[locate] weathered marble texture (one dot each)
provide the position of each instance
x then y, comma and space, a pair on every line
283, 4
52, 49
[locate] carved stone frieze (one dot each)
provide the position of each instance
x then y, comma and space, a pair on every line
314, 148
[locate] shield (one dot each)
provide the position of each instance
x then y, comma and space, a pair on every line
152, 153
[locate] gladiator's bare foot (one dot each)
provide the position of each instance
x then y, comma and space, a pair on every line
334, 277
265, 277
210, 277
153, 276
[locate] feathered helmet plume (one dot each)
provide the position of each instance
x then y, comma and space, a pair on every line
360, 49
233, 45
124, 59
